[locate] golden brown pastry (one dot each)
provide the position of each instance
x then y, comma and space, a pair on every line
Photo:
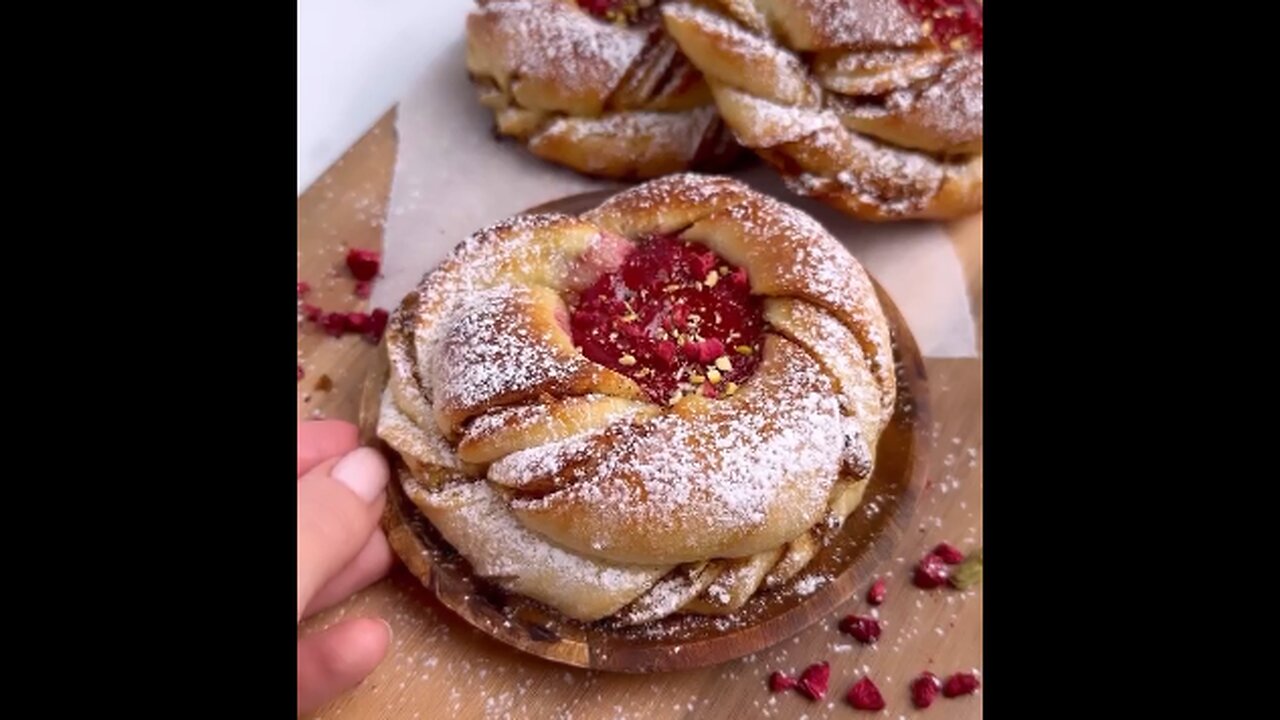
872, 106
663, 405
596, 85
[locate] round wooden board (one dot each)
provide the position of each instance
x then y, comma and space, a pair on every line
682, 642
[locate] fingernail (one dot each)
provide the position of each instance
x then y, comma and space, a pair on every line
363, 471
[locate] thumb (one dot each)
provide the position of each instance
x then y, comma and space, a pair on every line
338, 507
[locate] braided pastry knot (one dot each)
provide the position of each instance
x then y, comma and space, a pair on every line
639, 485
610, 99
860, 103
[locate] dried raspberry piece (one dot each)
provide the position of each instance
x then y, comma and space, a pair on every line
924, 689
878, 590
961, 683
311, 312
949, 553
864, 695
814, 680
704, 351
377, 325
358, 323
679, 316
739, 277
931, 572
363, 289
334, 323
701, 263
780, 681
864, 629
300, 373
709, 390
363, 263
666, 352
303, 288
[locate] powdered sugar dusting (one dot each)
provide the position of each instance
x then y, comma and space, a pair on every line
423, 443
776, 67
837, 348
766, 124
669, 594
665, 135
900, 180
940, 114
681, 189
703, 484
557, 44
875, 72
524, 467
491, 349
500, 548
952, 106
809, 584
492, 422
819, 24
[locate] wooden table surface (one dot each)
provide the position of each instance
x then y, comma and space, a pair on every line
440, 667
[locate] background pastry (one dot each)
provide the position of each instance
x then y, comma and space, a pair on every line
595, 85
872, 106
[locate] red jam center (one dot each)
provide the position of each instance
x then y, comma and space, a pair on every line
676, 318
619, 11
955, 24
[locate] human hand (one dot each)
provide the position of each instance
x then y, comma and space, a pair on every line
341, 550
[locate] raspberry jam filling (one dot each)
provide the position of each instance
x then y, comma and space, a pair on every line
955, 24
676, 318
618, 11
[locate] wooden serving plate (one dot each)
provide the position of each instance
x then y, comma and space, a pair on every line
840, 570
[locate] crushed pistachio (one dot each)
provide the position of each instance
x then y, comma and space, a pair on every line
969, 573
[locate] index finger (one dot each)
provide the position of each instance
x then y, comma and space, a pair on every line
320, 440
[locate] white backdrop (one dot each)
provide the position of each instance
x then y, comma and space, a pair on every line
356, 58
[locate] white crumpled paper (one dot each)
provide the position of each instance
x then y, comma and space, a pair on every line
452, 177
